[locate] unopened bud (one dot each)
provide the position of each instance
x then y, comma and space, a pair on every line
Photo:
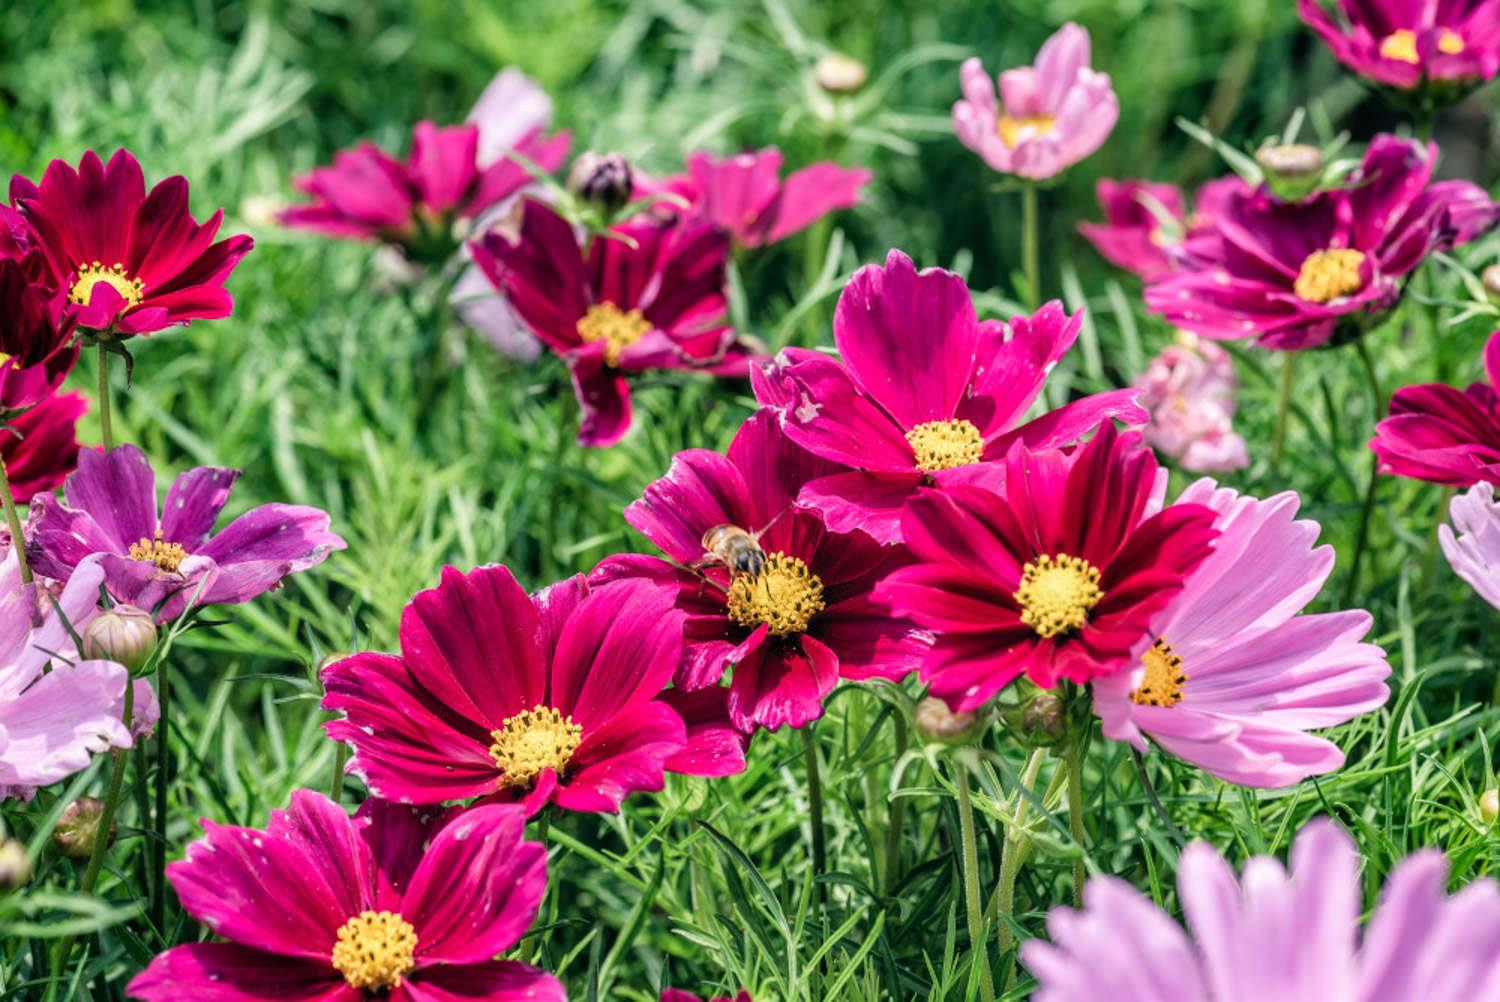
1044, 719
15, 865
1491, 279
78, 828
1489, 806
840, 74
936, 721
604, 180
124, 634
1293, 170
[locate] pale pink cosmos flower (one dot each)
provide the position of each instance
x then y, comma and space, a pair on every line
1472, 543
1050, 115
1191, 390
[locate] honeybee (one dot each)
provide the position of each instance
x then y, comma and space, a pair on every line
736, 549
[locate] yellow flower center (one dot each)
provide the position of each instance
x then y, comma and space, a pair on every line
1401, 45
785, 595
1162, 685
131, 289
1013, 130
617, 328
533, 740
1057, 593
167, 556
1328, 274
375, 950
1450, 43
942, 445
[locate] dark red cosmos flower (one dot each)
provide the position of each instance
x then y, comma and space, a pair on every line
1056, 576
1146, 225
40, 447
805, 620
1444, 435
131, 262
643, 296
36, 333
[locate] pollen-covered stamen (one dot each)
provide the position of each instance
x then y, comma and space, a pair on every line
1013, 129
1450, 43
785, 595
1162, 685
540, 738
132, 290
1400, 45
617, 328
1057, 593
167, 556
375, 950
1327, 275
942, 445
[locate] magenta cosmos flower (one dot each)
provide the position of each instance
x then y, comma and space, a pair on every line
40, 448
1190, 390
131, 262
1472, 542
1444, 435
1272, 934
555, 697
169, 561
1232, 676
395, 903
643, 296
1297, 274
1056, 576
1051, 115
1146, 226
797, 624
36, 333
925, 391
1406, 43
678, 995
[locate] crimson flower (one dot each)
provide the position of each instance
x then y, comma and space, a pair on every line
36, 333
1408, 43
40, 447
1146, 225
1055, 576
1444, 435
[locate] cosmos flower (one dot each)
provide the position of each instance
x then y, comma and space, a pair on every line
1146, 225
1190, 390
1272, 934
131, 262
1472, 542
1051, 116
1057, 575
553, 697
1232, 675
395, 903
799, 624
1408, 43
36, 333
1448, 436
925, 391
1296, 274
643, 296
40, 447
678, 995
166, 562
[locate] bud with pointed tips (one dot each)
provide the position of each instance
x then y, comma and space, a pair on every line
124, 634
937, 722
1293, 170
604, 180
15, 865
78, 828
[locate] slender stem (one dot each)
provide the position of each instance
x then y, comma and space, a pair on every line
1367, 509
897, 814
340, 758
815, 807
159, 814
106, 431
971, 883
1073, 763
13, 519
543, 825
1031, 246
1156, 804
1283, 408
1016, 848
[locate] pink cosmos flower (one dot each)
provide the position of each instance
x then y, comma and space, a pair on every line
678, 995
799, 624
1293, 937
1056, 575
1145, 226
1406, 43
1190, 391
170, 560
1054, 113
131, 262
1297, 274
1444, 435
1472, 543
40, 448
555, 697
395, 903
925, 391
36, 333
643, 296
1232, 676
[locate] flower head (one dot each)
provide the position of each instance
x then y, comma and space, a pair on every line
924, 391
1056, 575
396, 902
1272, 934
167, 558
131, 262
1444, 435
40, 448
1190, 390
1050, 115
1472, 542
1443, 45
36, 333
1146, 228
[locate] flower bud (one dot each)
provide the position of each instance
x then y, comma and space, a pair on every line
15, 865
1044, 718
604, 180
1293, 170
840, 74
937, 722
1489, 806
1491, 279
78, 828
124, 634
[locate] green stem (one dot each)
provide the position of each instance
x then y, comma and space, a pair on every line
815, 807
1073, 763
106, 430
1015, 849
13, 519
159, 814
1367, 509
971, 883
897, 814
1287, 384
340, 758
1031, 246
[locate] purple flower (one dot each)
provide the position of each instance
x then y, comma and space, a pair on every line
1404, 43
1472, 543
170, 561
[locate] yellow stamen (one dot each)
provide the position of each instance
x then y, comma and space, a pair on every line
942, 445
533, 740
375, 950
1327, 275
1400, 45
1450, 43
1057, 593
167, 556
617, 328
133, 290
785, 596
1164, 679
1013, 130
